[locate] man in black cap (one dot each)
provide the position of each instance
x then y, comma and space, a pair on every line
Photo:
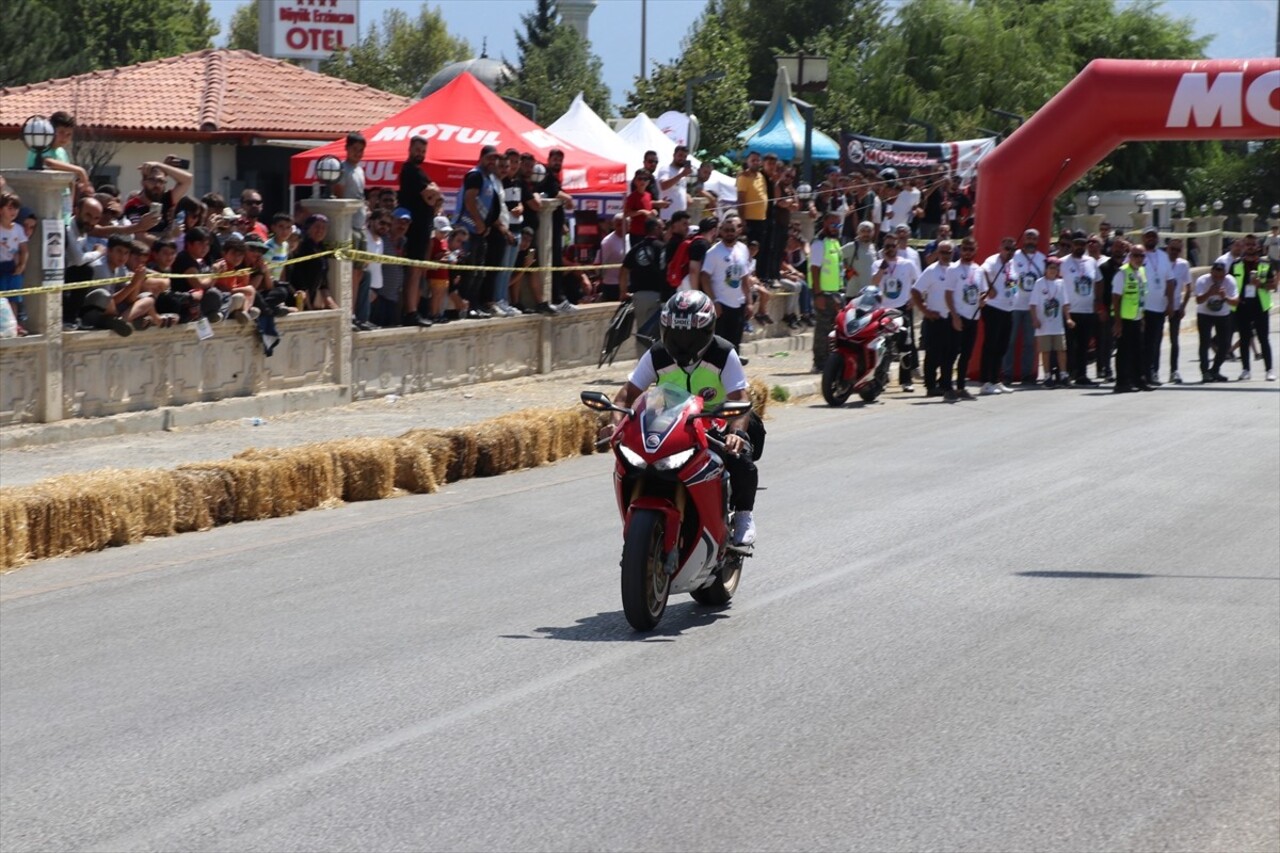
1080, 277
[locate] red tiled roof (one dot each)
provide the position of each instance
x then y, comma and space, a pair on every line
206, 95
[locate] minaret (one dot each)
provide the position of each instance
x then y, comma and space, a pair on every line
575, 13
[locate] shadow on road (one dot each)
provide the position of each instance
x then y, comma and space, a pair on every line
611, 626
1124, 576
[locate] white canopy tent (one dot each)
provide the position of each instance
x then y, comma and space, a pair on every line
582, 127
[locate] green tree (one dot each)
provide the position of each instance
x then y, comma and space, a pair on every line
43, 39
243, 33
771, 28
949, 62
400, 55
712, 45
552, 76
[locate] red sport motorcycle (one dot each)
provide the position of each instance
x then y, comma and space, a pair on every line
673, 494
863, 346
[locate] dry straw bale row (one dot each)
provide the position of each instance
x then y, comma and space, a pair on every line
87, 512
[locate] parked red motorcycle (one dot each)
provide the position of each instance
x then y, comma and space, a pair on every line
673, 494
863, 346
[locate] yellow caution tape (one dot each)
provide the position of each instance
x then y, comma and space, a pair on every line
369, 257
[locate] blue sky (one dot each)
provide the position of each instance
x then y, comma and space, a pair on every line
1241, 28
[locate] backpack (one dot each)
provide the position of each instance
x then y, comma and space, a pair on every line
678, 266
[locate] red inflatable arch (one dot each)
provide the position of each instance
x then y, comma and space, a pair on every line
1113, 101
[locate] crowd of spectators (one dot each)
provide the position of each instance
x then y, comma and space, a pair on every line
167, 257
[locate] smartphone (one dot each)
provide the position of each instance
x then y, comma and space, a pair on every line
178, 162
156, 208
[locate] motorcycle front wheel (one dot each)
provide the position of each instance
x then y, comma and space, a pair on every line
645, 584
725, 585
835, 389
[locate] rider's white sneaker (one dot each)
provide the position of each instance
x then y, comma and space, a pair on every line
744, 529
1004, 389
1271, 376
1244, 376
989, 389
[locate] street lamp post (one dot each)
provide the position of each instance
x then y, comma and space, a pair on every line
37, 135
1247, 217
1141, 219
1180, 220
1215, 223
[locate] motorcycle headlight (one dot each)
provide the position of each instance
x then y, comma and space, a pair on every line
674, 461
635, 460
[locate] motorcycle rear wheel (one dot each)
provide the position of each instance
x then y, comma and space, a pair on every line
725, 585
835, 390
645, 584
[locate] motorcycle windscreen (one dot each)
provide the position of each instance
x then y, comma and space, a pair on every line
853, 323
663, 407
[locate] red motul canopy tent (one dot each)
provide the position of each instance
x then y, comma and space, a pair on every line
458, 120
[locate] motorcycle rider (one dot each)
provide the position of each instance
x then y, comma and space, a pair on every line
690, 356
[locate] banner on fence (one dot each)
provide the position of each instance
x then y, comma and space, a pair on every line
957, 158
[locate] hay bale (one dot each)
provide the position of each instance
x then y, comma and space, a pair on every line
498, 447
204, 498
63, 517
415, 469
14, 546
137, 503
462, 456
759, 394
306, 477
250, 486
532, 430
368, 466
437, 446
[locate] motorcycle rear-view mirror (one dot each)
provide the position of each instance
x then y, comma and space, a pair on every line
728, 409
598, 401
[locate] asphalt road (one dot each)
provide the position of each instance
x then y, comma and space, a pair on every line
1049, 621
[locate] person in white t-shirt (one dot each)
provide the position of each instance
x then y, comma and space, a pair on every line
1080, 277
929, 294
997, 315
1180, 271
723, 271
1271, 245
895, 277
1157, 308
1050, 307
1216, 294
966, 293
13, 252
903, 232
901, 201
673, 182
1028, 267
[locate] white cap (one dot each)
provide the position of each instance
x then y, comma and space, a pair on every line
441, 224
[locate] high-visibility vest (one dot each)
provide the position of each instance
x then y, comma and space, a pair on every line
704, 380
1134, 295
1263, 270
830, 278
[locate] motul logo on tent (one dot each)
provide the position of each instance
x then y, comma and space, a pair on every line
442, 132
379, 170
1224, 101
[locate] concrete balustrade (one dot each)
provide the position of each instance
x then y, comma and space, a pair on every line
169, 378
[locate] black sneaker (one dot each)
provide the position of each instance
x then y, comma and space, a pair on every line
1085, 382
964, 394
744, 361
950, 396
545, 308
121, 327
